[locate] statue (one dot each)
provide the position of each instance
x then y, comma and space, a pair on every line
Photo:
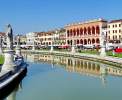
18, 47
18, 40
103, 38
9, 52
9, 35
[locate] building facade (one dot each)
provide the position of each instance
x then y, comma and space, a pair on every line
44, 38
31, 38
114, 31
85, 33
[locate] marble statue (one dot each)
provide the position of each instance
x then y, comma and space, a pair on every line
103, 38
9, 35
9, 52
18, 47
18, 40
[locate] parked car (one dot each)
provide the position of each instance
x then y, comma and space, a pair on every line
88, 46
118, 50
110, 48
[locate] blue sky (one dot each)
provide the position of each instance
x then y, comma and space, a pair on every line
42, 15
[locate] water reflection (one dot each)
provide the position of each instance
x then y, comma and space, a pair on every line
13, 94
80, 66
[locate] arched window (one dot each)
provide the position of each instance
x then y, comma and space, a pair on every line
93, 41
85, 31
77, 41
67, 33
97, 29
74, 31
97, 40
68, 42
89, 41
93, 30
71, 42
71, 32
81, 31
81, 41
78, 32
85, 41
89, 30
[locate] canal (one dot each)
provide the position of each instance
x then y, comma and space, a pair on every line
64, 78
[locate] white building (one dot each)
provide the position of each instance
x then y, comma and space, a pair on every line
114, 31
31, 37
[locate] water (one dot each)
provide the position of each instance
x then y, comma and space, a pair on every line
63, 78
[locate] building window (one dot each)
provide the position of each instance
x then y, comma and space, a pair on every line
119, 25
113, 31
119, 36
113, 37
116, 25
109, 37
116, 37
119, 31
113, 26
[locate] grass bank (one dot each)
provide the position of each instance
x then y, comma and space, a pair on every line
1, 59
108, 53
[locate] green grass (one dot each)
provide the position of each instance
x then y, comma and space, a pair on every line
1, 59
90, 51
110, 53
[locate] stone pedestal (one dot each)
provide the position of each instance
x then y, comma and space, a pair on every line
9, 61
51, 50
73, 49
1, 51
103, 52
18, 51
33, 48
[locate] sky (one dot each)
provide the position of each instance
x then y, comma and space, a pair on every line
44, 15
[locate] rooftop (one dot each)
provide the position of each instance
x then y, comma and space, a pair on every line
2, 34
89, 21
114, 21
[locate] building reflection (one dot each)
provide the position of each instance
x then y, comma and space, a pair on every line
81, 66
